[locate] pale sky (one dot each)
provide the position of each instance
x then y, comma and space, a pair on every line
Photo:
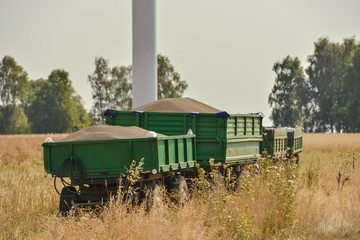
224, 49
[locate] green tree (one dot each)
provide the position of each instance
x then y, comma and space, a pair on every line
121, 88
327, 71
99, 82
111, 87
289, 95
170, 84
352, 82
329, 97
80, 118
13, 120
34, 87
13, 82
55, 108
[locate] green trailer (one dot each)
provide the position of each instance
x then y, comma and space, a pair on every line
275, 142
228, 139
95, 168
295, 139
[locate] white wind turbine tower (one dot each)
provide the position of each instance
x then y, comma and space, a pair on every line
144, 88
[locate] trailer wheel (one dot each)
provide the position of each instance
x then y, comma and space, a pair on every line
153, 199
240, 176
65, 205
180, 190
297, 155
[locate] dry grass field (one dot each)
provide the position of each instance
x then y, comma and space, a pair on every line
319, 199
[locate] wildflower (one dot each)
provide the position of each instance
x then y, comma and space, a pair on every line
211, 161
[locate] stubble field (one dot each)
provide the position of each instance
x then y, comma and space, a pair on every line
319, 199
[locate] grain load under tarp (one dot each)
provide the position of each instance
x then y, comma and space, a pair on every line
106, 132
177, 105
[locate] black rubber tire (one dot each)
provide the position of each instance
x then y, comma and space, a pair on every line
297, 155
218, 181
65, 205
138, 197
240, 176
257, 169
153, 198
180, 190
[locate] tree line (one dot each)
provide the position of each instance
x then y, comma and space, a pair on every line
324, 96
111, 87
51, 105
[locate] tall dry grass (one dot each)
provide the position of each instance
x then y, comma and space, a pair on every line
308, 202
25, 194
318, 142
328, 206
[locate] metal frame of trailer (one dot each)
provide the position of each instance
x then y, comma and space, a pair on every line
275, 142
97, 168
227, 138
295, 139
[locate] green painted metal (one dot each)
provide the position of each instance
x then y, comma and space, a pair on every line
234, 139
110, 158
275, 141
295, 139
